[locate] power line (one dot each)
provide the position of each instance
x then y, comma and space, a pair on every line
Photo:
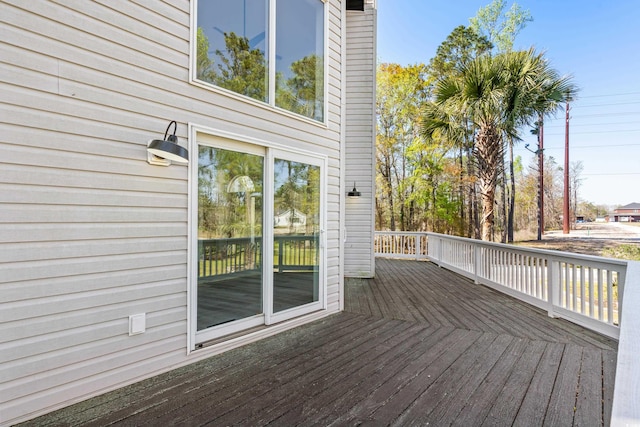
611, 174
592, 132
593, 124
610, 94
594, 146
606, 105
625, 113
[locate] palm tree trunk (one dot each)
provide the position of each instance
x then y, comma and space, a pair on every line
503, 219
473, 223
512, 196
488, 152
460, 224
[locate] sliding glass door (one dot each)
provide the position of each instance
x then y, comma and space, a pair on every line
230, 203
259, 238
296, 236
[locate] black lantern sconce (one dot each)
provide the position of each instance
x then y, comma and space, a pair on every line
164, 151
354, 192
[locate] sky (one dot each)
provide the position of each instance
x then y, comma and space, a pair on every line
595, 41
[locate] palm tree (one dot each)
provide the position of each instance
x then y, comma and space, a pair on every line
497, 95
528, 104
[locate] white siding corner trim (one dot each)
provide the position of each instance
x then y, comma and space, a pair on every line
360, 92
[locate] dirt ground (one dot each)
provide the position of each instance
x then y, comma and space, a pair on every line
603, 239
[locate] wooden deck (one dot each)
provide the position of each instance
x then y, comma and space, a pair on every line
418, 345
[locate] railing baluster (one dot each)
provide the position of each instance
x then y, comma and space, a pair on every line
601, 283
562, 282
610, 297
592, 291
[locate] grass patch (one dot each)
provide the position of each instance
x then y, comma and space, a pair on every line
623, 251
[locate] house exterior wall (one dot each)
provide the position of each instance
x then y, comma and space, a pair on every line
627, 213
360, 140
90, 233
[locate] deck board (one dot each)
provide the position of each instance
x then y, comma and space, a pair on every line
416, 345
505, 406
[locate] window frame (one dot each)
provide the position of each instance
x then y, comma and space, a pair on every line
203, 135
270, 105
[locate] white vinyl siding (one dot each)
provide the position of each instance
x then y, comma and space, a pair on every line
360, 88
90, 233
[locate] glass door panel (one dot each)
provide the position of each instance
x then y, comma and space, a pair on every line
230, 212
296, 235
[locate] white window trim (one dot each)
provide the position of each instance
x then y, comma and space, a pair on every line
272, 56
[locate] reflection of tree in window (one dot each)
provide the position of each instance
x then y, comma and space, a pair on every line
297, 189
232, 51
239, 68
222, 213
304, 92
203, 63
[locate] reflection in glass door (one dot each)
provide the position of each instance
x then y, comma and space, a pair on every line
230, 206
259, 256
296, 234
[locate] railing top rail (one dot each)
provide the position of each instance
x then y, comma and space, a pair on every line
546, 252
277, 236
401, 233
228, 239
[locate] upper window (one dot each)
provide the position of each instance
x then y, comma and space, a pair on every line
276, 58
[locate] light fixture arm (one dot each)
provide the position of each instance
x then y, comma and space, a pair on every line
173, 138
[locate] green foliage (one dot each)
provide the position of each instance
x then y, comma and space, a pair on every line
460, 47
626, 251
297, 187
400, 96
442, 151
500, 27
223, 211
518, 167
241, 69
304, 92
496, 95
203, 62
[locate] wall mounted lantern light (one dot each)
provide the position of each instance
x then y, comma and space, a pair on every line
354, 192
164, 151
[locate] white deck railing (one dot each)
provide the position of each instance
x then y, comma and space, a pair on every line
401, 244
581, 288
586, 290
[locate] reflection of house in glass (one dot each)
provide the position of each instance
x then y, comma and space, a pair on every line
291, 219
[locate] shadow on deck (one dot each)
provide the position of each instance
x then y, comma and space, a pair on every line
417, 345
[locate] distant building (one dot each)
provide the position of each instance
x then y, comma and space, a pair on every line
627, 213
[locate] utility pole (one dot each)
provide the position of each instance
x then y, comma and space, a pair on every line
541, 183
539, 132
565, 211
540, 153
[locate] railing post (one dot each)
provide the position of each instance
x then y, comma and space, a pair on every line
417, 246
280, 255
553, 285
477, 263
